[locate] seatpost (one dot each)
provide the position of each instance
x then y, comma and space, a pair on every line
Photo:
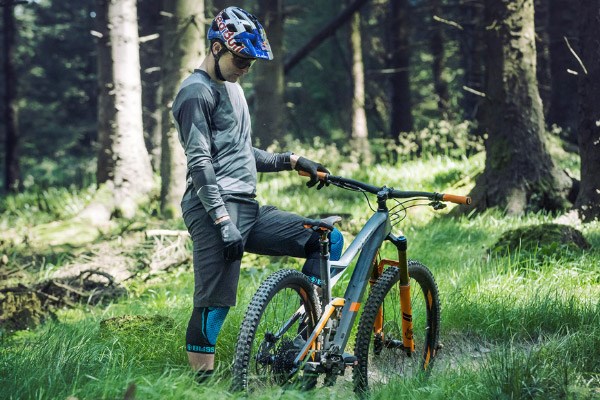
324, 268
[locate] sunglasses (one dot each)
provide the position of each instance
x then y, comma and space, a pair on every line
241, 62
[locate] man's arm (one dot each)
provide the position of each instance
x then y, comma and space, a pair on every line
273, 162
192, 114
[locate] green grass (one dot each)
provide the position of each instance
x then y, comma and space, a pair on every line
520, 326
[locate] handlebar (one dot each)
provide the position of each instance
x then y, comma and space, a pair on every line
391, 193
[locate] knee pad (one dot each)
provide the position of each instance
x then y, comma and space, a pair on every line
336, 244
311, 265
203, 329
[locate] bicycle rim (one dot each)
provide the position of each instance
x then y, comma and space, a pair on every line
381, 356
273, 332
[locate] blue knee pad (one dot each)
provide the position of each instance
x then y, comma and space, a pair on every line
336, 244
311, 266
203, 329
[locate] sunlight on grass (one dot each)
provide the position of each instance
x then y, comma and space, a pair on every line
520, 325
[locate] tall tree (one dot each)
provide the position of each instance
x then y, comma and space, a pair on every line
472, 56
519, 173
269, 84
401, 114
360, 133
183, 48
150, 20
563, 27
436, 43
588, 199
542, 48
12, 171
124, 171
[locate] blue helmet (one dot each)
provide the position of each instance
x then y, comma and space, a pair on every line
241, 33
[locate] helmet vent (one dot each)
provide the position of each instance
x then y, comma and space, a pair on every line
231, 28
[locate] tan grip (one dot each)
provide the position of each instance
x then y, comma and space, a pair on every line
321, 175
454, 198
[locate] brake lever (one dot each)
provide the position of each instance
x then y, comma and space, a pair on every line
437, 205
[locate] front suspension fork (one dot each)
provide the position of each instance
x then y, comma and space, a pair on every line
404, 285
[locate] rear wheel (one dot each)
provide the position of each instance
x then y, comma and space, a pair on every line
381, 355
282, 314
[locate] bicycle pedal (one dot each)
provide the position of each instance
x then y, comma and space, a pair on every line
350, 360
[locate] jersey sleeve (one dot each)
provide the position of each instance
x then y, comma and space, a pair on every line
192, 110
272, 162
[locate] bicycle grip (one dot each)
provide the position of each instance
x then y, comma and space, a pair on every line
454, 198
321, 175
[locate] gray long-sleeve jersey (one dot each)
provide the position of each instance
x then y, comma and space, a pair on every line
214, 129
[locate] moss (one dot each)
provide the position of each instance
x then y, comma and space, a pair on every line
64, 233
21, 310
543, 238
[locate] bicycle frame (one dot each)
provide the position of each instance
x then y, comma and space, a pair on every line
367, 242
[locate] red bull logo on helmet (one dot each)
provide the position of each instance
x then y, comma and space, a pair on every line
228, 36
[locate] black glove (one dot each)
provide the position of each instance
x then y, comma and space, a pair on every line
306, 165
315, 224
232, 238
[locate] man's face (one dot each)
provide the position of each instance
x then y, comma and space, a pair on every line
232, 66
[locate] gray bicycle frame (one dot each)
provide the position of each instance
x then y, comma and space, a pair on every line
367, 242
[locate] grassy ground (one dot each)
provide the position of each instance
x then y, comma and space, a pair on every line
517, 326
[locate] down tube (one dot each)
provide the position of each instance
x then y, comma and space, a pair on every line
380, 225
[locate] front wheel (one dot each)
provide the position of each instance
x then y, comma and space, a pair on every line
380, 351
281, 315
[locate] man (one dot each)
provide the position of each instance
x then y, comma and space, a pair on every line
218, 206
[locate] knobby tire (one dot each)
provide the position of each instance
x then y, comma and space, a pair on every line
381, 358
261, 359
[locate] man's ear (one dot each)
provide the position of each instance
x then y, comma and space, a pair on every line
216, 47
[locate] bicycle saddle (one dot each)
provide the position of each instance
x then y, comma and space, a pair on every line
322, 223
332, 220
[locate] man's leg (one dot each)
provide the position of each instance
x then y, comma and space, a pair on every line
201, 337
283, 233
311, 267
215, 282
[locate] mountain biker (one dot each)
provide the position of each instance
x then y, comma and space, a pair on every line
219, 206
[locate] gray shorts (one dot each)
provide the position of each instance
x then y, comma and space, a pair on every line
265, 229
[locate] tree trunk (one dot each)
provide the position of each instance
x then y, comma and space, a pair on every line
542, 48
150, 60
360, 133
401, 116
440, 86
472, 56
519, 174
183, 50
106, 109
12, 172
563, 106
123, 162
269, 85
588, 199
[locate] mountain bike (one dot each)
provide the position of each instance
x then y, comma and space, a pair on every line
295, 333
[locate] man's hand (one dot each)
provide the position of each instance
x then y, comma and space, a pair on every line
306, 165
232, 238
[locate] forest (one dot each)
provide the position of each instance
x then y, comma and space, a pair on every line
498, 100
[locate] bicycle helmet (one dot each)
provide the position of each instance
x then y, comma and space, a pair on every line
241, 33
